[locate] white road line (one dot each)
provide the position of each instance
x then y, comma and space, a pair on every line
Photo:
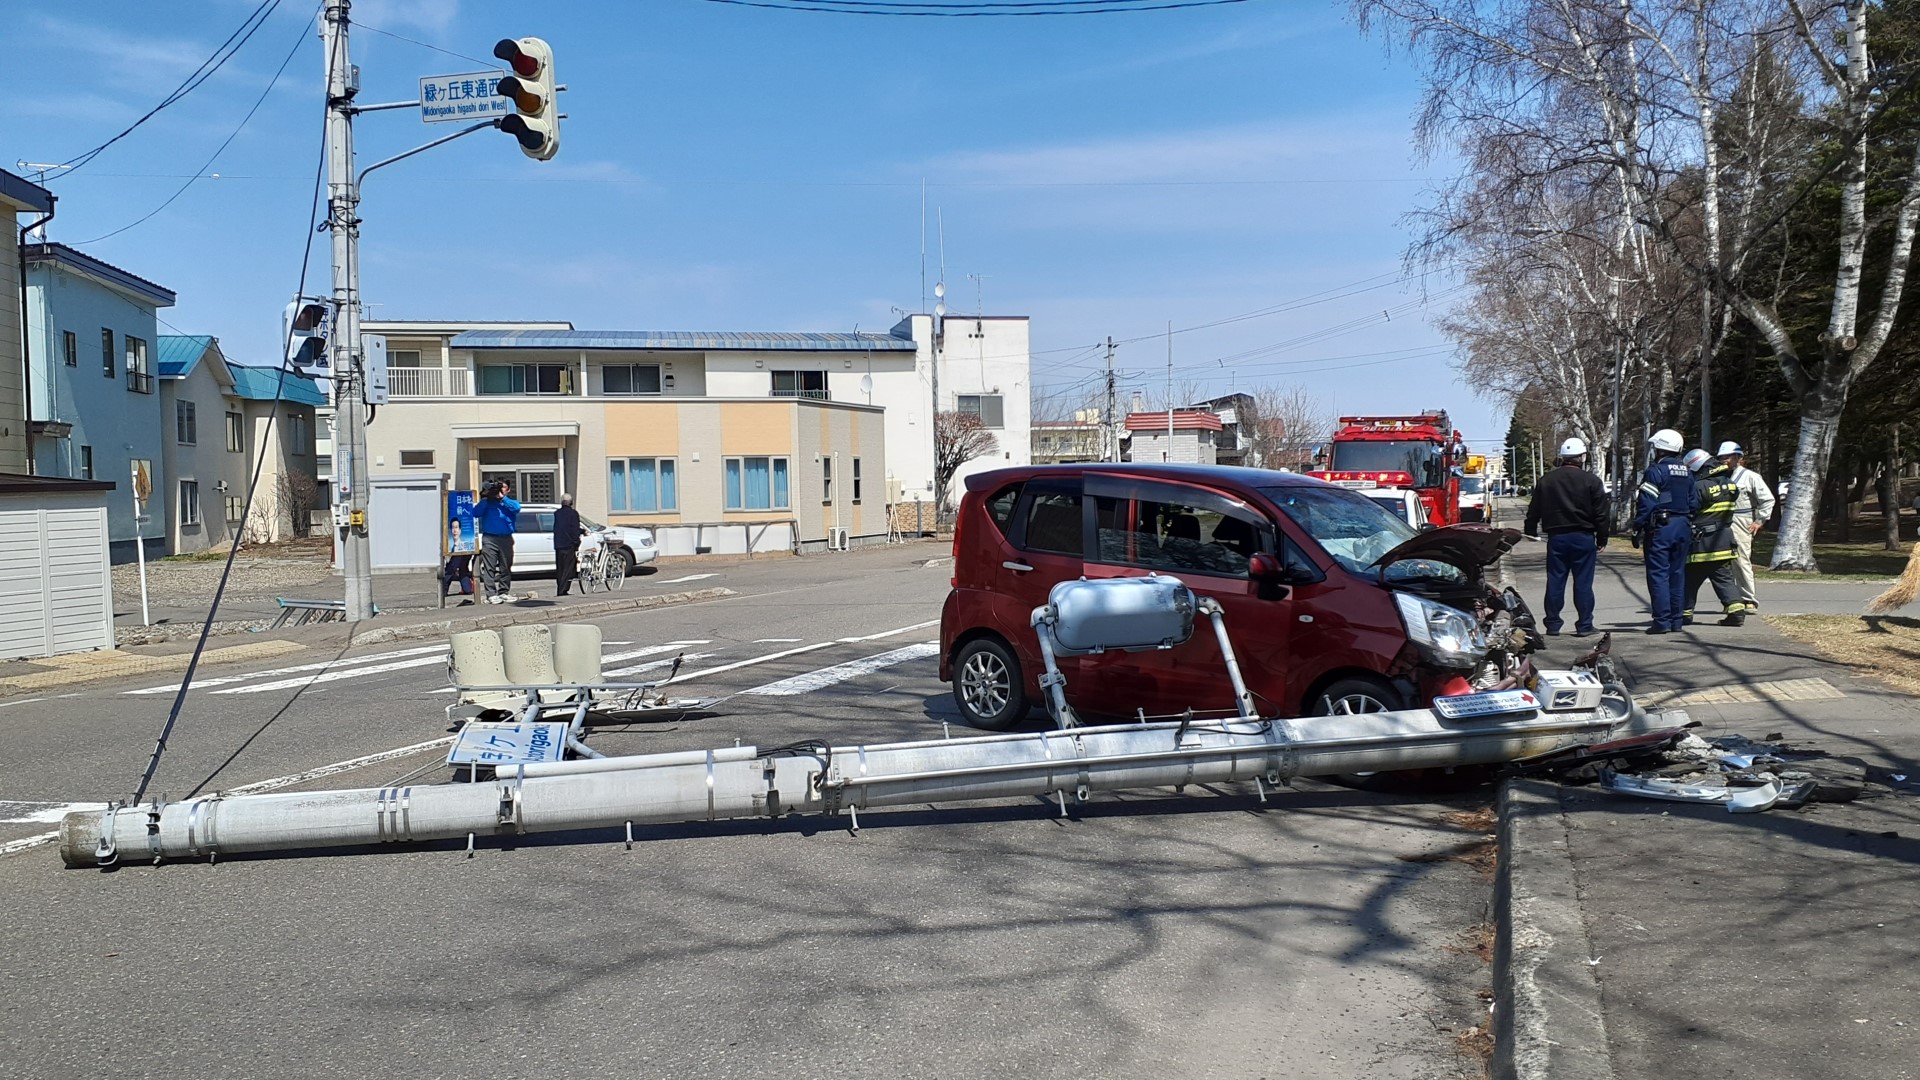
753, 660
689, 577
892, 633
654, 665
22, 701
334, 676
838, 673
651, 650
18, 813
259, 786
224, 680
775, 640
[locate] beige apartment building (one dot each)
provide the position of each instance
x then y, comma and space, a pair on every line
718, 442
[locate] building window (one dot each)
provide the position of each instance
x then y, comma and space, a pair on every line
86, 463
826, 479
856, 480
642, 485
757, 483
236, 433
106, 352
990, 408
403, 358
526, 379
186, 429
70, 347
416, 459
806, 384
189, 503
302, 439
630, 379
139, 375
236, 509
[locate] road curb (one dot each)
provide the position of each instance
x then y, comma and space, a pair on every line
511, 616
1549, 1021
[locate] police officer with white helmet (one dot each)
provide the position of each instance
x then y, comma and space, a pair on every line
1663, 521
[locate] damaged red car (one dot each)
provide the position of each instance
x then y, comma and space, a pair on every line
1333, 604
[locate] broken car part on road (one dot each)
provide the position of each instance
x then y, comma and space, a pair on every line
546, 793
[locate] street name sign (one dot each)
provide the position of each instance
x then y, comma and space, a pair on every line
467, 97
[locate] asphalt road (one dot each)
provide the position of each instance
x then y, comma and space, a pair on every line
1326, 933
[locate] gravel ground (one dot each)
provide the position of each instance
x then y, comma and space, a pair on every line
190, 582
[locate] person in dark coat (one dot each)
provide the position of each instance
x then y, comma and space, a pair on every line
566, 544
1571, 504
1663, 524
1715, 550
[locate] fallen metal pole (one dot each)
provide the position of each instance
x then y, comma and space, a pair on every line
744, 782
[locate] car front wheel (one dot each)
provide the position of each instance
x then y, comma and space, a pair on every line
988, 685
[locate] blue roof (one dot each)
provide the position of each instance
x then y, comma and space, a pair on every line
704, 341
180, 352
260, 384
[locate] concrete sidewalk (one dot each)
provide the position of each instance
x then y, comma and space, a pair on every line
1654, 939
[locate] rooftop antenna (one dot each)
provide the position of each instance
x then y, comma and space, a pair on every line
979, 288
923, 243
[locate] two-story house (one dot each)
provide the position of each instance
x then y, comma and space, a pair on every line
227, 420
95, 397
691, 433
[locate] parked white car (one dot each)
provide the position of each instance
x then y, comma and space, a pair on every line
533, 540
1401, 503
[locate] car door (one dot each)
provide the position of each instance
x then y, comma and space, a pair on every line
1046, 544
533, 540
1206, 537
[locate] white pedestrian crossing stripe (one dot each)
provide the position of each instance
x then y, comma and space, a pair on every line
42, 813
325, 665
839, 673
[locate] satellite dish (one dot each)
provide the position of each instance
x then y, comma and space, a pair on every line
939, 290
866, 384
940, 309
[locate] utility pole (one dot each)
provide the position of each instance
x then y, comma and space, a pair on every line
1168, 456
1109, 434
933, 424
343, 222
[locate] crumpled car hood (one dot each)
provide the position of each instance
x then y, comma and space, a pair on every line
1468, 547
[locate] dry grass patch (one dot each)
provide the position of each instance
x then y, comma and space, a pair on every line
1886, 647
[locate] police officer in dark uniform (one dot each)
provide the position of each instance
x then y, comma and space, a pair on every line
1663, 521
1714, 546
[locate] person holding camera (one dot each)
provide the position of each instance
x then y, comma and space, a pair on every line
495, 515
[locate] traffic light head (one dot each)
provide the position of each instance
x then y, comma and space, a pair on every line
305, 325
535, 121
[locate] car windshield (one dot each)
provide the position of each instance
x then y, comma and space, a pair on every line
1352, 528
1472, 485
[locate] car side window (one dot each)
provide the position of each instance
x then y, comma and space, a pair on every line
1000, 508
1051, 522
1184, 530
542, 522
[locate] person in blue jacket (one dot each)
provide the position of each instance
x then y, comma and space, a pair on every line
1663, 522
495, 514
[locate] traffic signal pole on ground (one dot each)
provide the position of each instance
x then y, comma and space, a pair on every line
533, 121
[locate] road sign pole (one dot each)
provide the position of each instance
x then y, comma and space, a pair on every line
343, 221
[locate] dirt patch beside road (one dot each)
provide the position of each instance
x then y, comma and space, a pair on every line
1887, 647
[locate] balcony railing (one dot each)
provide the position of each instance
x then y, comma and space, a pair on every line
428, 382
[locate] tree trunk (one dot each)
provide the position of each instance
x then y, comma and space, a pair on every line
1890, 506
1819, 424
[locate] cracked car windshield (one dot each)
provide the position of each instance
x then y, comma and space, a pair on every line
1352, 528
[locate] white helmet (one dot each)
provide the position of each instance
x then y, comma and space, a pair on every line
1573, 447
1667, 440
1696, 459
1729, 449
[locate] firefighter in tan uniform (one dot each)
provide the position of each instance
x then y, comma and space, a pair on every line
1714, 549
1751, 510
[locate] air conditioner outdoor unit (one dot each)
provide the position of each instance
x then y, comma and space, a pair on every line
836, 538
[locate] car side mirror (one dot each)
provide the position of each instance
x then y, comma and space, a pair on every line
1428, 526
1264, 567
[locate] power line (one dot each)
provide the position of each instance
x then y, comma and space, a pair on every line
422, 44
225, 52
1003, 11
299, 39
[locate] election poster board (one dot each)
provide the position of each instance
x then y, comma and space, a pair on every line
463, 534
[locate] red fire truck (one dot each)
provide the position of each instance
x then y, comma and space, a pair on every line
1419, 452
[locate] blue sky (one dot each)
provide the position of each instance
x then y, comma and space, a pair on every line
733, 168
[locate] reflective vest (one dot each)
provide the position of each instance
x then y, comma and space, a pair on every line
1714, 496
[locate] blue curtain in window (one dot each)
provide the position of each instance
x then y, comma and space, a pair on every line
616, 485
780, 482
733, 484
640, 481
758, 484
669, 493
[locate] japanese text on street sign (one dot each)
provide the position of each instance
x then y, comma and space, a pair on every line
487, 743
462, 97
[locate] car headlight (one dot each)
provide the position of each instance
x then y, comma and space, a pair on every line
1448, 636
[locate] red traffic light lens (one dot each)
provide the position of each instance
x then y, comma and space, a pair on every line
523, 64
308, 317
